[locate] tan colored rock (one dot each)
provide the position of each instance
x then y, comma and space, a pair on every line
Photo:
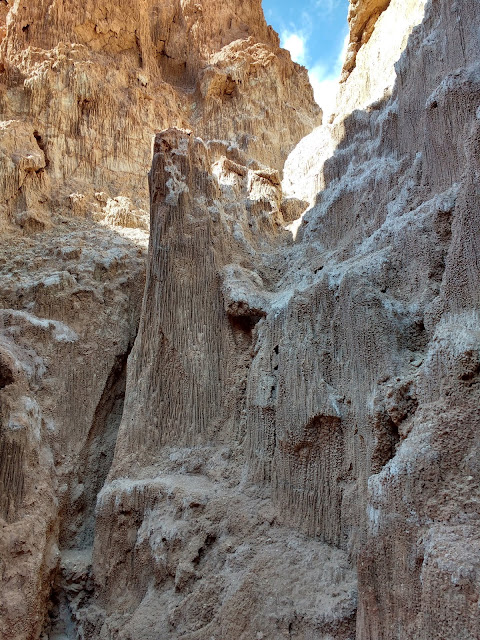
82, 89
23, 177
362, 18
4, 9
292, 208
357, 367
70, 302
297, 450
222, 564
94, 81
120, 212
379, 30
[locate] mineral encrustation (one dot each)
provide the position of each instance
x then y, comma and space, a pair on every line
252, 412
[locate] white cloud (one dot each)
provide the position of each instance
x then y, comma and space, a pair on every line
324, 88
325, 84
296, 43
326, 6
323, 80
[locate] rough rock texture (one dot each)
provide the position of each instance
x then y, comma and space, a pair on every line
297, 454
178, 476
379, 31
83, 86
362, 20
67, 297
393, 234
353, 394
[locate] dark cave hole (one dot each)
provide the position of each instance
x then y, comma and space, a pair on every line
6, 376
78, 525
387, 440
209, 540
42, 146
244, 323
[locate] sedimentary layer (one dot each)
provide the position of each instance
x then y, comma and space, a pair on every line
358, 385
85, 86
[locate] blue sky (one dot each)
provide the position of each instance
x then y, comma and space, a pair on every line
314, 31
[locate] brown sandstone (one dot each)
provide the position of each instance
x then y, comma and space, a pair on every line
83, 88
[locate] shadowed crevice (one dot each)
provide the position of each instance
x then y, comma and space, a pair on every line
95, 462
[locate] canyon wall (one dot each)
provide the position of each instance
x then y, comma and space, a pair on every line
84, 86
395, 224
82, 90
297, 447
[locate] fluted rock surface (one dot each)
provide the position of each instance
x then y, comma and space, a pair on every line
70, 307
297, 454
356, 377
393, 233
88, 83
83, 86
220, 555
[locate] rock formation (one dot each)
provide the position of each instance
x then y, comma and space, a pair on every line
377, 38
88, 84
297, 453
83, 88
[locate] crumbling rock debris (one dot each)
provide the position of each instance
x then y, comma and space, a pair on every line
280, 440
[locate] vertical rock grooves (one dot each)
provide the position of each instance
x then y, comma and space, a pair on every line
12, 476
82, 89
72, 587
78, 522
179, 63
297, 455
12, 457
65, 330
183, 339
359, 372
179, 482
12, 451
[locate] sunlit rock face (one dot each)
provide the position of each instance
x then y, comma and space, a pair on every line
89, 83
200, 519
393, 232
357, 383
379, 30
83, 87
292, 449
